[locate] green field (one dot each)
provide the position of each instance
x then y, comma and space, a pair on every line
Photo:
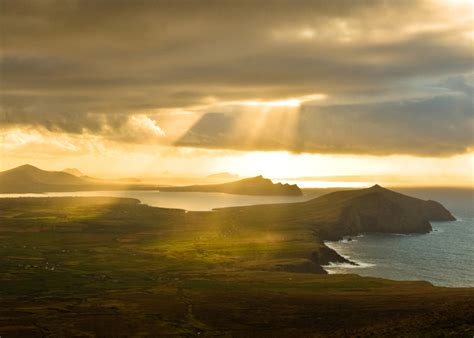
114, 267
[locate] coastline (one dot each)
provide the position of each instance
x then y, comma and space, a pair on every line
350, 224
440, 257
177, 273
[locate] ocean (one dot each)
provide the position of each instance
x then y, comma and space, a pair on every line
444, 257
191, 201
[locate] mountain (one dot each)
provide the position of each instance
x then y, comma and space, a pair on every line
351, 212
250, 186
28, 178
74, 171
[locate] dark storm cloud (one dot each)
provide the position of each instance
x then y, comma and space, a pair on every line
79, 65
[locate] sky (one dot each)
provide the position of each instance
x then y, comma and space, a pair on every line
357, 90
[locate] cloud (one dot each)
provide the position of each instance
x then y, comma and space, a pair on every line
32, 143
88, 67
135, 128
106, 56
139, 129
431, 126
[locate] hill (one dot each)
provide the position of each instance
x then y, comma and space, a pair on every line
249, 186
351, 212
28, 178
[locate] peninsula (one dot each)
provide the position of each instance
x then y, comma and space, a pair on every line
187, 273
249, 186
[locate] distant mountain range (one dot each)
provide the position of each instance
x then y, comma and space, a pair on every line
249, 186
28, 178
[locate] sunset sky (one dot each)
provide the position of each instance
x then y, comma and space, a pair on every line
286, 89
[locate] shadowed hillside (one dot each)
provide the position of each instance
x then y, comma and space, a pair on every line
249, 186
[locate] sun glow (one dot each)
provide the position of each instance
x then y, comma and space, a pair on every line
325, 184
279, 103
457, 2
291, 102
327, 171
256, 122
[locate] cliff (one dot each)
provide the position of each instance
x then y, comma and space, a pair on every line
338, 214
381, 210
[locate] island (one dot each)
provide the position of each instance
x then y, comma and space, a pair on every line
249, 186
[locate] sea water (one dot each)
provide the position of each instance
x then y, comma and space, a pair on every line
444, 257
191, 201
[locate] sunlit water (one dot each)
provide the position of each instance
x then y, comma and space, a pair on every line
191, 201
324, 184
444, 257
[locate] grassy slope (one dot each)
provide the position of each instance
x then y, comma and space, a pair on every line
73, 266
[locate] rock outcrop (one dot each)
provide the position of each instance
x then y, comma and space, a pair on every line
325, 256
